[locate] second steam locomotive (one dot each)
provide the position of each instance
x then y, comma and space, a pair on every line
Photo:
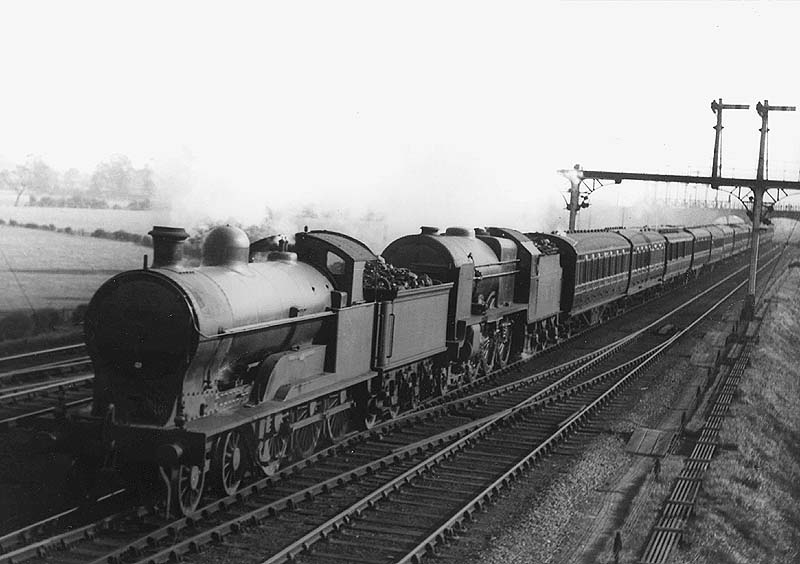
209, 373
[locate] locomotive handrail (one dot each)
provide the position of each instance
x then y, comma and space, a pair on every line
266, 325
479, 276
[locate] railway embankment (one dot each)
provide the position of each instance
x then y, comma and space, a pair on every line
749, 506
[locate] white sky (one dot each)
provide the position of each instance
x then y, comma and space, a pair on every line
435, 111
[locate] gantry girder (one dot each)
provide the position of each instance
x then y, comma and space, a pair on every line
739, 188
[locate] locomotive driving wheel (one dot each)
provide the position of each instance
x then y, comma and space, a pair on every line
502, 346
186, 488
305, 439
337, 425
271, 451
229, 463
483, 362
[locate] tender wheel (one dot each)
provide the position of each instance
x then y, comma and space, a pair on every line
529, 342
409, 396
270, 453
229, 463
187, 488
439, 381
305, 440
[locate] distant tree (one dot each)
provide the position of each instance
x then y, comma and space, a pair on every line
17, 179
35, 176
43, 178
112, 177
143, 184
74, 181
116, 177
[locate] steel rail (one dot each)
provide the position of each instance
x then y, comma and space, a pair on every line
13, 420
43, 352
36, 389
43, 368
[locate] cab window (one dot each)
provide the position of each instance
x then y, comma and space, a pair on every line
334, 263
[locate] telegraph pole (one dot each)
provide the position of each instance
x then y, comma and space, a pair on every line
717, 108
758, 199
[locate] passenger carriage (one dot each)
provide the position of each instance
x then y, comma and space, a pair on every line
647, 262
678, 256
701, 248
596, 267
741, 237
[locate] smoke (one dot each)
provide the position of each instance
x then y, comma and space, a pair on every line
434, 186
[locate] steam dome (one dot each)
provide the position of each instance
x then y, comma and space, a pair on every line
226, 246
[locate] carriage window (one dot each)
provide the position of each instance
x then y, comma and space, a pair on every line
335, 263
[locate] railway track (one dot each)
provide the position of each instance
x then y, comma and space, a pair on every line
13, 367
27, 404
385, 459
43, 382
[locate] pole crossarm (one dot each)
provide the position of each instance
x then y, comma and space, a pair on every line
690, 179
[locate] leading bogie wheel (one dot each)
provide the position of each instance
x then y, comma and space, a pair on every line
187, 488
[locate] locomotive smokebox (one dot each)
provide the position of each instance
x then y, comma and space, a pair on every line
167, 245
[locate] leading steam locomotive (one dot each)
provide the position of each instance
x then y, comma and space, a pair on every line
206, 374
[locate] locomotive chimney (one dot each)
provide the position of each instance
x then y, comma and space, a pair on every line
167, 245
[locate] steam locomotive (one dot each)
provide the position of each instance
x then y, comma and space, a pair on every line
254, 358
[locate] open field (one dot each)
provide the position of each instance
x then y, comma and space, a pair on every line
87, 219
58, 270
